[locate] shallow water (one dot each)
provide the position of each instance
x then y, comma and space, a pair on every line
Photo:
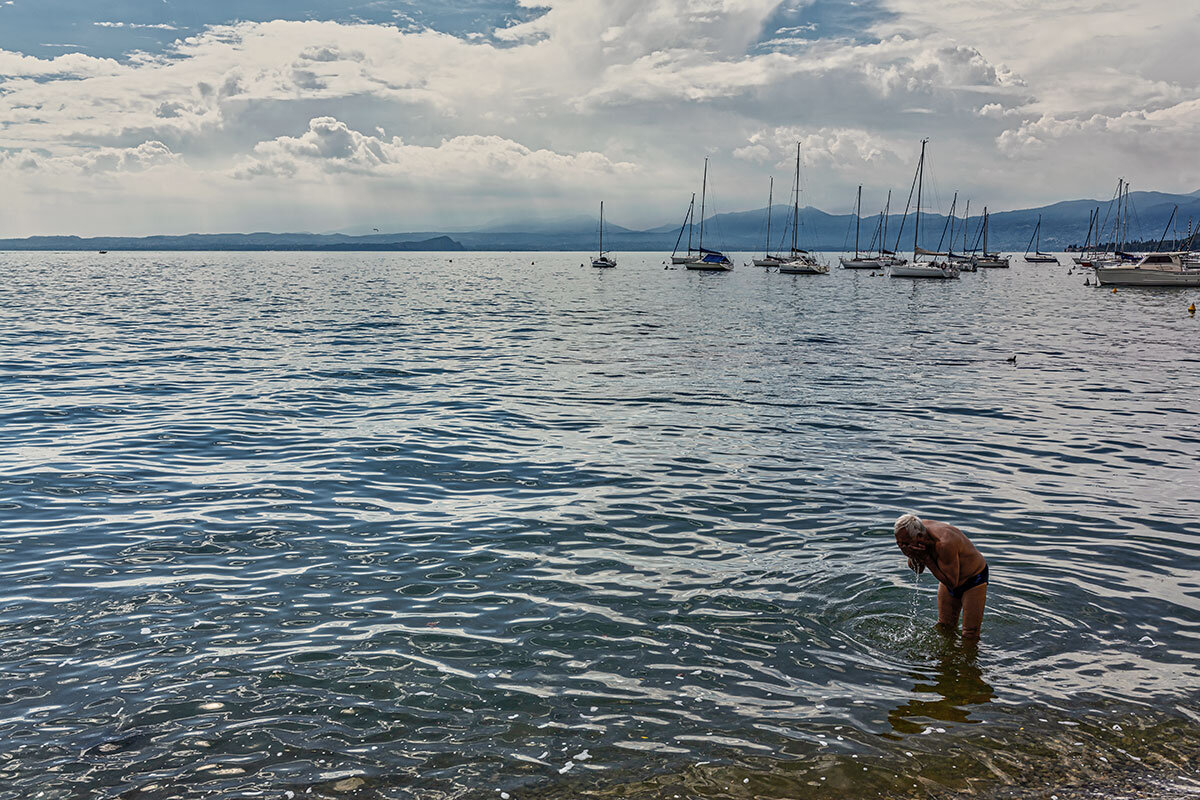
395, 525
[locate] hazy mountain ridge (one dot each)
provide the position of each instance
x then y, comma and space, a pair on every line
1063, 224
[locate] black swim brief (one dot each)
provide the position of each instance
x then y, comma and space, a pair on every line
970, 583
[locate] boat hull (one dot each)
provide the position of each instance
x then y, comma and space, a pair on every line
682, 259
1041, 259
934, 271
785, 269
862, 263
701, 266
768, 262
603, 263
992, 263
1140, 276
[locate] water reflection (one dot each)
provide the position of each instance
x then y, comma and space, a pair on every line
948, 695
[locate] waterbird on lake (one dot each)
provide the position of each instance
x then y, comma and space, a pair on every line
1011, 359
961, 570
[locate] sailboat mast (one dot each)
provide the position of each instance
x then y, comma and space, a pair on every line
1117, 225
601, 227
770, 200
857, 219
966, 220
887, 208
796, 200
691, 219
1125, 229
985, 231
703, 193
920, 185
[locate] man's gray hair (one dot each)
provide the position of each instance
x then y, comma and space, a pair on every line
910, 524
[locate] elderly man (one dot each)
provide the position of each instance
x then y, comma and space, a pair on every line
954, 561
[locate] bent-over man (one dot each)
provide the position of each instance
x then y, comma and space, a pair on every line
946, 552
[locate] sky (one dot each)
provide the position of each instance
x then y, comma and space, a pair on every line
134, 117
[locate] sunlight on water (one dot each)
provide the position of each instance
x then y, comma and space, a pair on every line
390, 526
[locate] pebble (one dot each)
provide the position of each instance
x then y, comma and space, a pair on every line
348, 785
584, 756
569, 764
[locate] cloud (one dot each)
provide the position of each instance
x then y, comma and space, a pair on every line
623, 98
162, 26
331, 147
99, 161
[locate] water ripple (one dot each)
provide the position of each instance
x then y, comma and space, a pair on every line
390, 525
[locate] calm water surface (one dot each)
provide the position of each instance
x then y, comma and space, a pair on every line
391, 525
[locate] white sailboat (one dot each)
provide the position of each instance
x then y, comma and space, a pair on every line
769, 259
861, 261
961, 260
602, 261
1120, 230
1084, 259
888, 257
687, 223
918, 269
1038, 256
984, 259
707, 260
800, 262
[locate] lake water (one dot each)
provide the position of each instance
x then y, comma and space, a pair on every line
396, 525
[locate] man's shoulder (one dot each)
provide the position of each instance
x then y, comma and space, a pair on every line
941, 528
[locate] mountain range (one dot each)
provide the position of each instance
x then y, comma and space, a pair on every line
1064, 224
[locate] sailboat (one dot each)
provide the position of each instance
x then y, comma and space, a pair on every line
1038, 256
915, 268
1102, 257
602, 261
800, 262
961, 260
1084, 259
708, 260
687, 223
768, 259
984, 259
887, 257
860, 261
1157, 268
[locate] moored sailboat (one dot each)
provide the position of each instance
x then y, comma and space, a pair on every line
800, 262
708, 260
861, 261
1038, 256
602, 261
769, 259
984, 259
687, 223
916, 268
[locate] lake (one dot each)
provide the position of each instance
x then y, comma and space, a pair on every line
501, 525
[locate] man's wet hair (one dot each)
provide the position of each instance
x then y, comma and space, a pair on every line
911, 525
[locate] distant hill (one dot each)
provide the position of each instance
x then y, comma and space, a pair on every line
234, 241
1063, 224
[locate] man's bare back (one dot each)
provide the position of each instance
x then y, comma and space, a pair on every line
960, 568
